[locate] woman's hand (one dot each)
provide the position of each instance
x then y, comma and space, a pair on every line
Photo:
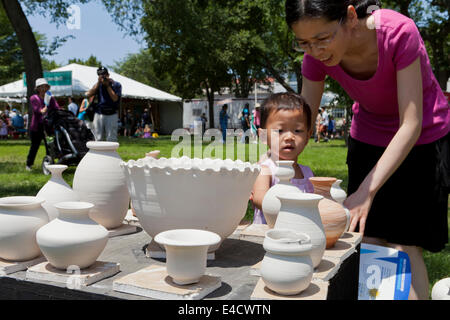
44, 110
359, 204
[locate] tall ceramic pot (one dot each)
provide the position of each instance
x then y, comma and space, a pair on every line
73, 238
100, 180
271, 204
335, 217
300, 212
20, 219
287, 266
56, 190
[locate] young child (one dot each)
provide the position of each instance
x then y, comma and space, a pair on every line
286, 124
147, 132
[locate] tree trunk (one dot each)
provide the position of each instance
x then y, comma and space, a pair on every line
27, 41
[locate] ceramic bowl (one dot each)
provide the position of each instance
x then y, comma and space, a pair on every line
183, 193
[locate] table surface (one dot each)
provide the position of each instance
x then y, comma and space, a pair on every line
233, 262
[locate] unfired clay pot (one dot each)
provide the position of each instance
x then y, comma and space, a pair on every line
186, 253
335, 217
271, 204
287, 266
300, 212
184, 193
100, 180
73, 238
441, 290
20, 219
56, 190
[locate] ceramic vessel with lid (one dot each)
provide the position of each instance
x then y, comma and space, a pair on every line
20, 219
287, 266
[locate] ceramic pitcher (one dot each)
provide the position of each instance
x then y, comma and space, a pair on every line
300, 212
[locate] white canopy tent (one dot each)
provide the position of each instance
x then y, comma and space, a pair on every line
83, 78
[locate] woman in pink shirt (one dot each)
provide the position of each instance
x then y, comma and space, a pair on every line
398, 169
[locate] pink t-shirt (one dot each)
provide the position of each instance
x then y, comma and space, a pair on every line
375, 111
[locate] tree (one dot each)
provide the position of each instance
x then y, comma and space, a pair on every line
141, 67
92, 61
432, 20
11, 62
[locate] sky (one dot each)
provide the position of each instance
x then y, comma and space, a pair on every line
97, 35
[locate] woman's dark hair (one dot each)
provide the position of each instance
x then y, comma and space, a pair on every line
284, 101
329, 9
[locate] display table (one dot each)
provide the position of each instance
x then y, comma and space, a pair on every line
236, 263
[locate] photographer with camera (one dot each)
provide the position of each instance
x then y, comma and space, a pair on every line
108, 94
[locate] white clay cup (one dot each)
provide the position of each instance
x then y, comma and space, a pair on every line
186, 253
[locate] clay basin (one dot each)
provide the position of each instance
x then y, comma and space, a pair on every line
183, 193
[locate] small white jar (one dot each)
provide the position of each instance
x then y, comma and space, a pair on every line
287, 267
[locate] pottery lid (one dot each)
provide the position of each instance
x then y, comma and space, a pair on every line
102, 145
287, 241
73, 205
187, 238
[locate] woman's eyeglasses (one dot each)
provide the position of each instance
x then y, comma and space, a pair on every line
302, 46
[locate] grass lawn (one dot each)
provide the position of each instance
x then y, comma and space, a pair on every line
325, 159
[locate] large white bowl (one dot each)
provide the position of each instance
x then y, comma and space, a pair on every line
184, 193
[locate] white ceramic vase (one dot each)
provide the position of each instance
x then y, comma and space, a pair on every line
186, 253
287, 266
100, 180
441, 290
20, 219
183, 193
73, 238
300, 212
56, 190
271, 204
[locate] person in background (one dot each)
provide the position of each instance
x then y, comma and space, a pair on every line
223, 119
128, 122
39, 109
203, 119
109, 93
82, 112
72, 106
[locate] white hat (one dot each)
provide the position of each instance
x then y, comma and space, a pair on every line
40, 82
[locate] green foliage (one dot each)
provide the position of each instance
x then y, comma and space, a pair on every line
141, 67
92, 61
11, 65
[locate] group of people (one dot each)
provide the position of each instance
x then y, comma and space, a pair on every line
12, 123
104, 98
250, 123
138, 126
325, 126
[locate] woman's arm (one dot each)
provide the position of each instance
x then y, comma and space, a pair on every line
312, 91
410, 100
84, 105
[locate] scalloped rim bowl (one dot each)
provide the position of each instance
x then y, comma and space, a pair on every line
184, 193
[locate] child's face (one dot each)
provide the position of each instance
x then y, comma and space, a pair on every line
287, 133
